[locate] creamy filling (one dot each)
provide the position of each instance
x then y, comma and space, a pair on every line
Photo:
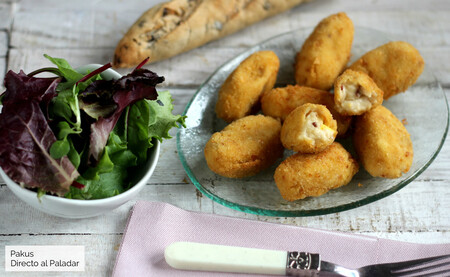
355, 98
315, 129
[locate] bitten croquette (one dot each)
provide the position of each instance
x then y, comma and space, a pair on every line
310, 128
355, 93
280, 102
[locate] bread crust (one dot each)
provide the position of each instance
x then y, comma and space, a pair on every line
177, 26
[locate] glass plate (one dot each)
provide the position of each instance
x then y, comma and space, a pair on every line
424, 106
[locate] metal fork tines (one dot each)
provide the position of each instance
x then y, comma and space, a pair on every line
433, 266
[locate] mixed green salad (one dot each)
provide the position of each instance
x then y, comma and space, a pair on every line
78, 136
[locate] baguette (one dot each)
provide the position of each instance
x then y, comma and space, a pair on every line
173, 27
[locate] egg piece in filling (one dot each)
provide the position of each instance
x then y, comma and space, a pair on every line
280, 102
310, 128
302, 175
355, 93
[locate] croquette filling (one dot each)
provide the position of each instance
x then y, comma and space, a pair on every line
315, 129
355, 98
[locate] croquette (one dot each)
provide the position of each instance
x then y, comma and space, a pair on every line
240, 93
355, 93
302, 175
280, 102
382, 143
394, 66
310, 128
325, 52
244, 147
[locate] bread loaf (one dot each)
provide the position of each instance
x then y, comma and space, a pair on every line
173, 27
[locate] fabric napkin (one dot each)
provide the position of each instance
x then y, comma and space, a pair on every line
153, 226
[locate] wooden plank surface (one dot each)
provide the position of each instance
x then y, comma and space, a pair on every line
405, 211
100, 251
408, 213
205, 59
6, 14
87, 31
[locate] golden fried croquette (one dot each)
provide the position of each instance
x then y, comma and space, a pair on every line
240, 93
382, 143
279, 102
309, 128
394, 66
355, 93
302, 175
244, 147
325, 52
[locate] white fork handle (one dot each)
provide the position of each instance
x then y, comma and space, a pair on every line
209, 257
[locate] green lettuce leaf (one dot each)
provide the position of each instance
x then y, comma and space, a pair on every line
110, 176
148, 119
164, 120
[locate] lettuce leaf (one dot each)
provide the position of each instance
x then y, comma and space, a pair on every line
139, 84
164, 120
150, 119
25, 136
110, 176
79, 136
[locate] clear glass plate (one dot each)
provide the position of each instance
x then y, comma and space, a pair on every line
424, 106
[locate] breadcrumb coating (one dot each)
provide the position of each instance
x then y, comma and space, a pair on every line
239, 95
245, 147
303, 175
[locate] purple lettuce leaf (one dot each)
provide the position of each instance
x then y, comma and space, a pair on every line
21, 87
138, 85
25, 138
25, 135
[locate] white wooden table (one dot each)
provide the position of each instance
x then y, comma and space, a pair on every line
86, 31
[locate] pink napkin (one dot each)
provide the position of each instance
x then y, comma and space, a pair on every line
152, 226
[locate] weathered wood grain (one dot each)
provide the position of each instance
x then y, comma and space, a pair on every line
6, 14
69, 28
3, 43
328, 6
179, 70
2, 74
170, 170
87, 31
86, 28
101, 249
414, 209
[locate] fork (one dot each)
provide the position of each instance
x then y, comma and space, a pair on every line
427, 266
211, 257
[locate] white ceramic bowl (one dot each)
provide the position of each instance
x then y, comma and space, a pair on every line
74, 208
